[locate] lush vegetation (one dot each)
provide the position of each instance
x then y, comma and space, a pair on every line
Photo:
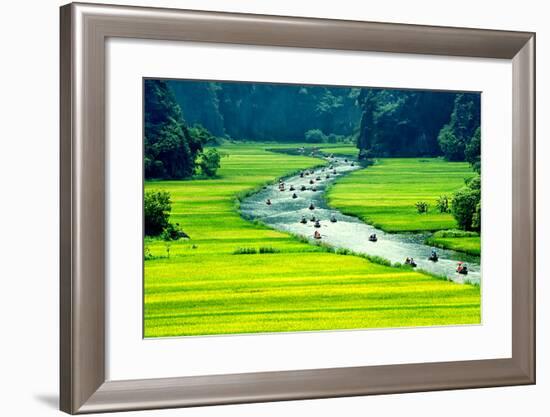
461, 240
466, 206
419, 124
386, 194
170, 147
235, 276
261, 111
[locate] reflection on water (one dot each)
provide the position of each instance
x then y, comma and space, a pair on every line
285, 213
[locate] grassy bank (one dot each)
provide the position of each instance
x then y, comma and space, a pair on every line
469, 242
222, 281
385, 194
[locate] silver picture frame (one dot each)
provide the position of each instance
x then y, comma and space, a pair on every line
84, 31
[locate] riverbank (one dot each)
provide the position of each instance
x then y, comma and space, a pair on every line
468, 242
385, 194
208, 285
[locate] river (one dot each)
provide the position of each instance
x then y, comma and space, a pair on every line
285, 212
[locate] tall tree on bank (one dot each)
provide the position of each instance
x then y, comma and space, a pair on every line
169, 149
460, 139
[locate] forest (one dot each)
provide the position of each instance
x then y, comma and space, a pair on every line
181, 117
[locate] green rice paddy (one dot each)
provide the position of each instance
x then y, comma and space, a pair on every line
210, 285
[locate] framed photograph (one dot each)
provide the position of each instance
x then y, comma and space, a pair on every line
264, 208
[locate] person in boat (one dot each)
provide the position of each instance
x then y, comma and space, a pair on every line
302, 174
410, 261
294, 195
352, 164
318, 178
434, 256
317, 224
346, 160
373, 237
334, 172
303, 188
311, 181
317, 235
462, 268
268, 202
311, 206
313, 188
313, 219
304, 220
291, 188
333, 219
307, 173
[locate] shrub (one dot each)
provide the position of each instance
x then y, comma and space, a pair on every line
244, 251
269, 250
173, 232
442, 204
315, 136
209, 162
156, 209
466, 206
422, 207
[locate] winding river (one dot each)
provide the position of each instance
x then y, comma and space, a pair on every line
285, 212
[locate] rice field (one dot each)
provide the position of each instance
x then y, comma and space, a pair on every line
385, 193
209, 284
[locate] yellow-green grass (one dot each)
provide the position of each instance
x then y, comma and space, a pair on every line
469, 242
203, 288
385, 193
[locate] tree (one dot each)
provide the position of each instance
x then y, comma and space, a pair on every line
452, 147
156, 210
466, 206
402, 123
209, 162
169, 148
472, 152
456, 136
315, 136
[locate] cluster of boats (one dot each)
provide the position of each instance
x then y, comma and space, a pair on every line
461, 268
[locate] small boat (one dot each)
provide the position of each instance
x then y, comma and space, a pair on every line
317, 224
462, 268
303, 188
373, 238
268, 202
303, 220
294, 195
311, 206
317, 235
291, 188
411, 262
333, 219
